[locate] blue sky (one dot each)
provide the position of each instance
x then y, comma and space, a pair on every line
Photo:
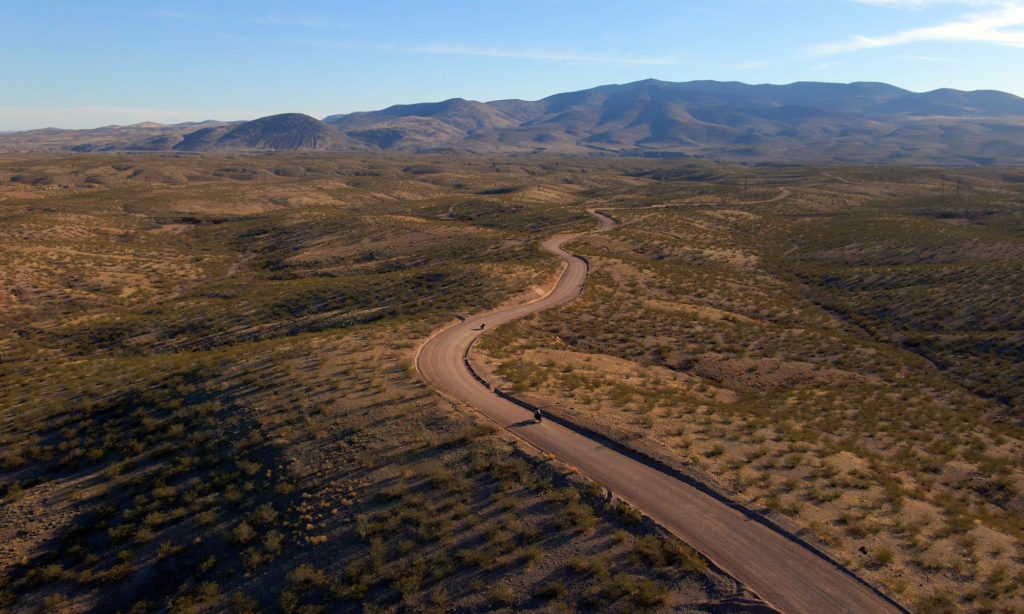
85, 64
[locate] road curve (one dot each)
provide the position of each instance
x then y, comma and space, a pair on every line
781, 571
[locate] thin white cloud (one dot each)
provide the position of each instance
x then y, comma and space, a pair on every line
530, 54
180, 15
1000, 27
299, 21
919, 4
467, 50
925, 58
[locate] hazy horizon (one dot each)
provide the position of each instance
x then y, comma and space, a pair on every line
95, 64
322, 116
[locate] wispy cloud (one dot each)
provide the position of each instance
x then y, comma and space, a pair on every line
998, 26
180, 15
534, 54
924, 58
752, 65
300, 21
565, 57
919, 4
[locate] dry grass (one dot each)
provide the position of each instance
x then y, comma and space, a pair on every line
830, 358
207, 401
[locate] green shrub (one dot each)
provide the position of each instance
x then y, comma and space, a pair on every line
579, 516
242, 604
650, 593
628, 514
552, 590
243, 533
504, 595
306, 576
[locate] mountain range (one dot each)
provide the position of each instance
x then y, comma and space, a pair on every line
806, 121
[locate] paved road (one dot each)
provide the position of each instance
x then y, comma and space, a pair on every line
784, 573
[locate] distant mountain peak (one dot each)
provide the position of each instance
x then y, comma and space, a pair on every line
290, 131
863, 121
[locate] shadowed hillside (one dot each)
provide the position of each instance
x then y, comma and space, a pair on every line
207, 400
288, 131
799, 122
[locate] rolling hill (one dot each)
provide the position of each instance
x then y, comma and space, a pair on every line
805, 121
288, 131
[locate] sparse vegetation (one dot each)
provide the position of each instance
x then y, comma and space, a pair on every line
208, 397
842, 359
208, 400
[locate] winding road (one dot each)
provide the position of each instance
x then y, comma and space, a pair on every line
782, 571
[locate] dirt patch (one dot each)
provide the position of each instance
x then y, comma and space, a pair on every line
171, 228
213, 207
34, 520
767, 373
700, 311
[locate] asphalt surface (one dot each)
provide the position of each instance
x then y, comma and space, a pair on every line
786, 574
